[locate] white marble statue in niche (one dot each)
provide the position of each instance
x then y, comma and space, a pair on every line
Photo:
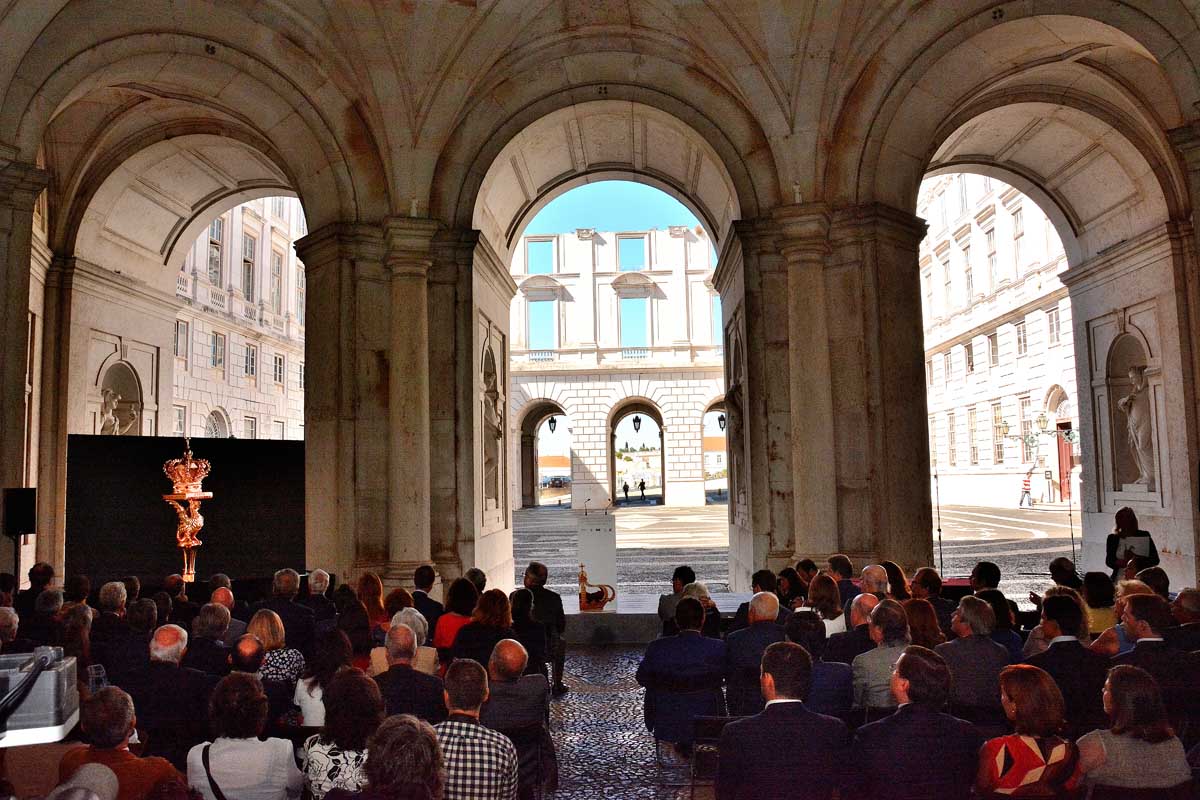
1139, 427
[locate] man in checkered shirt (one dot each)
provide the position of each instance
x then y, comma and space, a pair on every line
481, 764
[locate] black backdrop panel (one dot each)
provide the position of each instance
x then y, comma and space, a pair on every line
118, 524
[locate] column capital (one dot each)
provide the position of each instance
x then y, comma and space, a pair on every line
804, 228
876, 220
1186, 139
339, 240
409, 245
21, 182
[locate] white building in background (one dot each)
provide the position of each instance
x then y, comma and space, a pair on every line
998, 345
609, 324
239, 331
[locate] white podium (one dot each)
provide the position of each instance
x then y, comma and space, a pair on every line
598, 550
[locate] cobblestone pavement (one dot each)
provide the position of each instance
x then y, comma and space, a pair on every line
651, 542
604, 749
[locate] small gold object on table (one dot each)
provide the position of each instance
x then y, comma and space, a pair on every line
186, 475
594, 601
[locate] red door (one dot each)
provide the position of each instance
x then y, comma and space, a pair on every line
1065, 455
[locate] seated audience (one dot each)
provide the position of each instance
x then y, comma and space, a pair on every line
764, 756
74, 635
336, 757
832, 689
9, 624
682, 675
236, 763
41, 625
530, 632
423, 579
396, 600
874, 581
807, 569
206, 646
681, 577
297, 620
848, 645
1063, 573
1158, 580
1186, 610
171, 699
743, 655
824, 599
404, 689
712, 614
790, 588
490, 622
975, 661
897, 582
90, 782
370, 594
478, 577
331, 653
353, 621
461, 598
919, 752
1098, 595
1034, 760
1037, 641
1147, 618
404, 760
223, 596
1078, 671
76, 589
108, 721
923, 626
548, 610
517, 700
282, 664
1139, 750
481, 764
110, 624
183, 610
315, 599
247, 655
841, 569
1004, 633
762, 581
986, 575
41, 576
927, 585
872, 670
426, 659
126, 659
163, 602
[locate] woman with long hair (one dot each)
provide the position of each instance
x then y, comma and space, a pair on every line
370, 594
1099, 596
461, 598
923, 623
825, 599
332, 653
1034, 760
789, 587
354, 622
1140, 750
490, 622
336, 757
897, 581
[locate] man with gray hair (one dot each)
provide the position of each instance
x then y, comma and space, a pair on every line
9, 623
975, 661
874, 581
315, 599
873, 669
172, 700
110, 626
298, 621
42, 626
743, 654
206, 650
223, 596
404, 690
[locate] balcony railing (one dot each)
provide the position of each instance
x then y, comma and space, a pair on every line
183, 285
249, 311
217, 299
541, 355
635, 352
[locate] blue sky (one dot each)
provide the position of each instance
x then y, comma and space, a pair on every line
611, 206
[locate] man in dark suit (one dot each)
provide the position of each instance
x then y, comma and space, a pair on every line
1079, 672
110, 625
404, 690
1186, 610
41, 576
682, 675
841, 569
431, 610
297, 620
223, 596
927, 585
322, 607
207, 651
172, 700
548, 610
762, 581
126, 659
844, 647
743, 655
787, 750
515, 701
183, 610
974, 659
1147, 618
918, 752
832, 690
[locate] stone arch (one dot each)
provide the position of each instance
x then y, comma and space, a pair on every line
217, 424
121, 399
533, 414
621, 409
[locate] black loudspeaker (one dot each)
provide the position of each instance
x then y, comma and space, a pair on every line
20, 512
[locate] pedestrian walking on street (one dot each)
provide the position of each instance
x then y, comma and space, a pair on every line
642, 486
626, 488
1025, 493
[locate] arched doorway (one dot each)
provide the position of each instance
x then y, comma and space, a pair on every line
637, 454
714, 448
546, 474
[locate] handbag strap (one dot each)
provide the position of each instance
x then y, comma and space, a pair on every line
212, 784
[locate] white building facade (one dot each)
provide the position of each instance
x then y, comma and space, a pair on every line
608, 324
999, 356
239, 331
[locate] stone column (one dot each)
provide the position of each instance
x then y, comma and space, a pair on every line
804, 244
20, 185
408, 260
346, 398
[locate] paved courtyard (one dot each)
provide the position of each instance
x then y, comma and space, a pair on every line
652, 541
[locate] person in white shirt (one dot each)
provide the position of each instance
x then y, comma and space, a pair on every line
236, 765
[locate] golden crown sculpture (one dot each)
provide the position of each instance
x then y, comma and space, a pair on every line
187, 473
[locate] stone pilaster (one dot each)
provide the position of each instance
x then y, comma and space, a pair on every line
804, 244
20, 185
